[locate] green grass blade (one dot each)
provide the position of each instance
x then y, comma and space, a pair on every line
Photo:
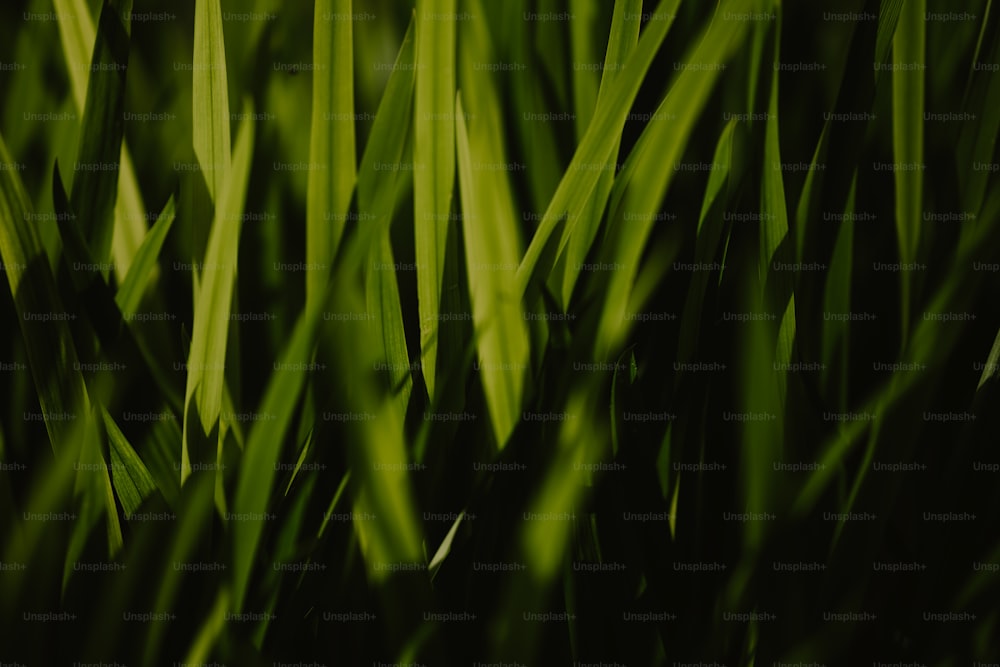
434, 167
51, 351
583, 50
132, 480
774, 230
256, 475
491, 241
595, 150
908, 140
95, 184
140, 274
206, 374
643, 183
77, 37
210, 97
331, 139
377, 191
621, 42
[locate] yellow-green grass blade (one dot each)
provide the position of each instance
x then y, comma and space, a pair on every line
649, 175
888, 21
95, 184
130, 217
206, 368
491, 243
434, 167
774, 231
385, 307
376, 194
132, 480
592, 155
77, 38
621, 41
583, 50
210, 97
549, 520
142, 270
43, 320
331, 144
909, 59
264, 445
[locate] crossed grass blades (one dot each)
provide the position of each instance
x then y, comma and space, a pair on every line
434, 369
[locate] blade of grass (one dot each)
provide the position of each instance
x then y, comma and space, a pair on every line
210, 333
434, 167
649, 168
376, 195
95, 184
77, 37
331, 139
51, 352
774, 229
592, 155
256, 475
621, 42
132, 480
908, 141
491, 241
210, 97
140, 273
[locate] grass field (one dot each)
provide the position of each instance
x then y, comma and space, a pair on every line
469, 332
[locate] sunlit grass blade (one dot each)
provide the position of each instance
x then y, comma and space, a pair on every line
591, 157
647, 178
210, 97
377, 190
908, 141
434, 167
491, 241
622, 40
95, 184
547, 527
583, 50
206, 372
129, 294
331, 144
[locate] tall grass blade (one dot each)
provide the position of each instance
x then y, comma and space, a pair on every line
434, 167
206, 371
95, 184
491, 243
909, 58
210, 97
331, 145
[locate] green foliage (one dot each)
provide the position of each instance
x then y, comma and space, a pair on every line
488, 332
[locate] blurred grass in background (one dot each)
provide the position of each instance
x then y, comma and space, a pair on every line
534, 332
